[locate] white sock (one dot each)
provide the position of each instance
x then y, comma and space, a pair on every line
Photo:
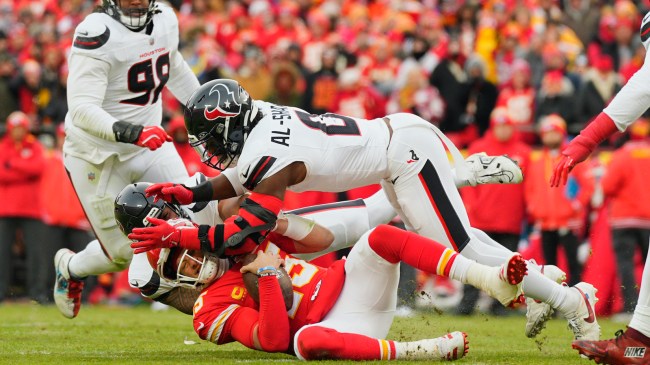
418, 350
537, 286
641, 318
91, 261
461, 268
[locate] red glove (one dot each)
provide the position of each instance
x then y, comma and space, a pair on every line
163, 234
153, 137
582, 146
170, 192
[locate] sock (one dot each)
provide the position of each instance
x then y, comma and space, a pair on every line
632, 333
537, 286
319, 343
396, 245
641, 318
91, 261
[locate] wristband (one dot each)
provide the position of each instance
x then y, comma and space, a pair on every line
201, 192
298, 227
266, 268
127, 132
268, 273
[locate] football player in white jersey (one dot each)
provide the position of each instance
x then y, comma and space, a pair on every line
122, 57
633, 345
275, 147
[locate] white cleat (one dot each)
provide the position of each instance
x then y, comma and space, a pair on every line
583, 321
493, 169
502, 281
451, 346
538, 313
67, 291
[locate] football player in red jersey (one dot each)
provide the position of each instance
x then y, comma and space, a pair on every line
341, 312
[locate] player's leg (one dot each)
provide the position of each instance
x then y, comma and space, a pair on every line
160, 166
357, 323
631, 346
422, 190
96, 187
317, 342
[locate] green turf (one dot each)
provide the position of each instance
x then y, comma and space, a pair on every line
32, 334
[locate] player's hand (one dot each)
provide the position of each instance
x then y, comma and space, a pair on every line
171, 193
153, 137
576, 152
263, 259
159, 235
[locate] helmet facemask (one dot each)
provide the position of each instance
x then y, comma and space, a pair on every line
133, 18
190, 269
220, 152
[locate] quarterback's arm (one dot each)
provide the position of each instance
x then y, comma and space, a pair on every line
87, 84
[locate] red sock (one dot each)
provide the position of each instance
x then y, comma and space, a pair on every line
395, 245
320, 343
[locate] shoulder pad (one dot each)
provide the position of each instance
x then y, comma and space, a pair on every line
92, 33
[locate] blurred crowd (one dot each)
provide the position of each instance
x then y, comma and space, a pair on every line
501, 76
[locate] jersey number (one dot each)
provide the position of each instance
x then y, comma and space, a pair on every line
141, 79
331, 124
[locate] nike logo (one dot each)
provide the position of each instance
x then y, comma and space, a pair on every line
590, 311
245, 174
164, 238
85, 33
201, 325
393, 181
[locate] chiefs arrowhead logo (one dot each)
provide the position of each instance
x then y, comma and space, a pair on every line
226, 104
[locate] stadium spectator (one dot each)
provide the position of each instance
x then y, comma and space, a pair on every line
518, 98
7, 71
21, 167
356, 97
287, 84
599, 85
413, 94
479, 96
556, 96
624, 183
122, 57
583, 18
321, 86
498, 210
558, 213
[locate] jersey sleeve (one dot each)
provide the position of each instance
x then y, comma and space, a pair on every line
256, 170
89, 66
632, 100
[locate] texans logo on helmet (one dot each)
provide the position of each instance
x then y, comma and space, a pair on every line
226, 104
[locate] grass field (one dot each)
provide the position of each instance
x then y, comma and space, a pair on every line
32, 334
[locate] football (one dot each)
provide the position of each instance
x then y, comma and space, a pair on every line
250, 281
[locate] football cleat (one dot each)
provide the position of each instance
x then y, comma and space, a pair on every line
583, 321
502, 281
493, 169
538, 313
451, 346
626, 348
67, 291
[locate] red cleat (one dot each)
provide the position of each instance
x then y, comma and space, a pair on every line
629, 347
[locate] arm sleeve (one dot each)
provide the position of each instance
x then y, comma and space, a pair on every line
271, 321
87, 84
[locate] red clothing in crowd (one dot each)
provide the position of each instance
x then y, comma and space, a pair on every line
21, 166
362, 102
555, 208
626, 183
498, 208
60, 205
